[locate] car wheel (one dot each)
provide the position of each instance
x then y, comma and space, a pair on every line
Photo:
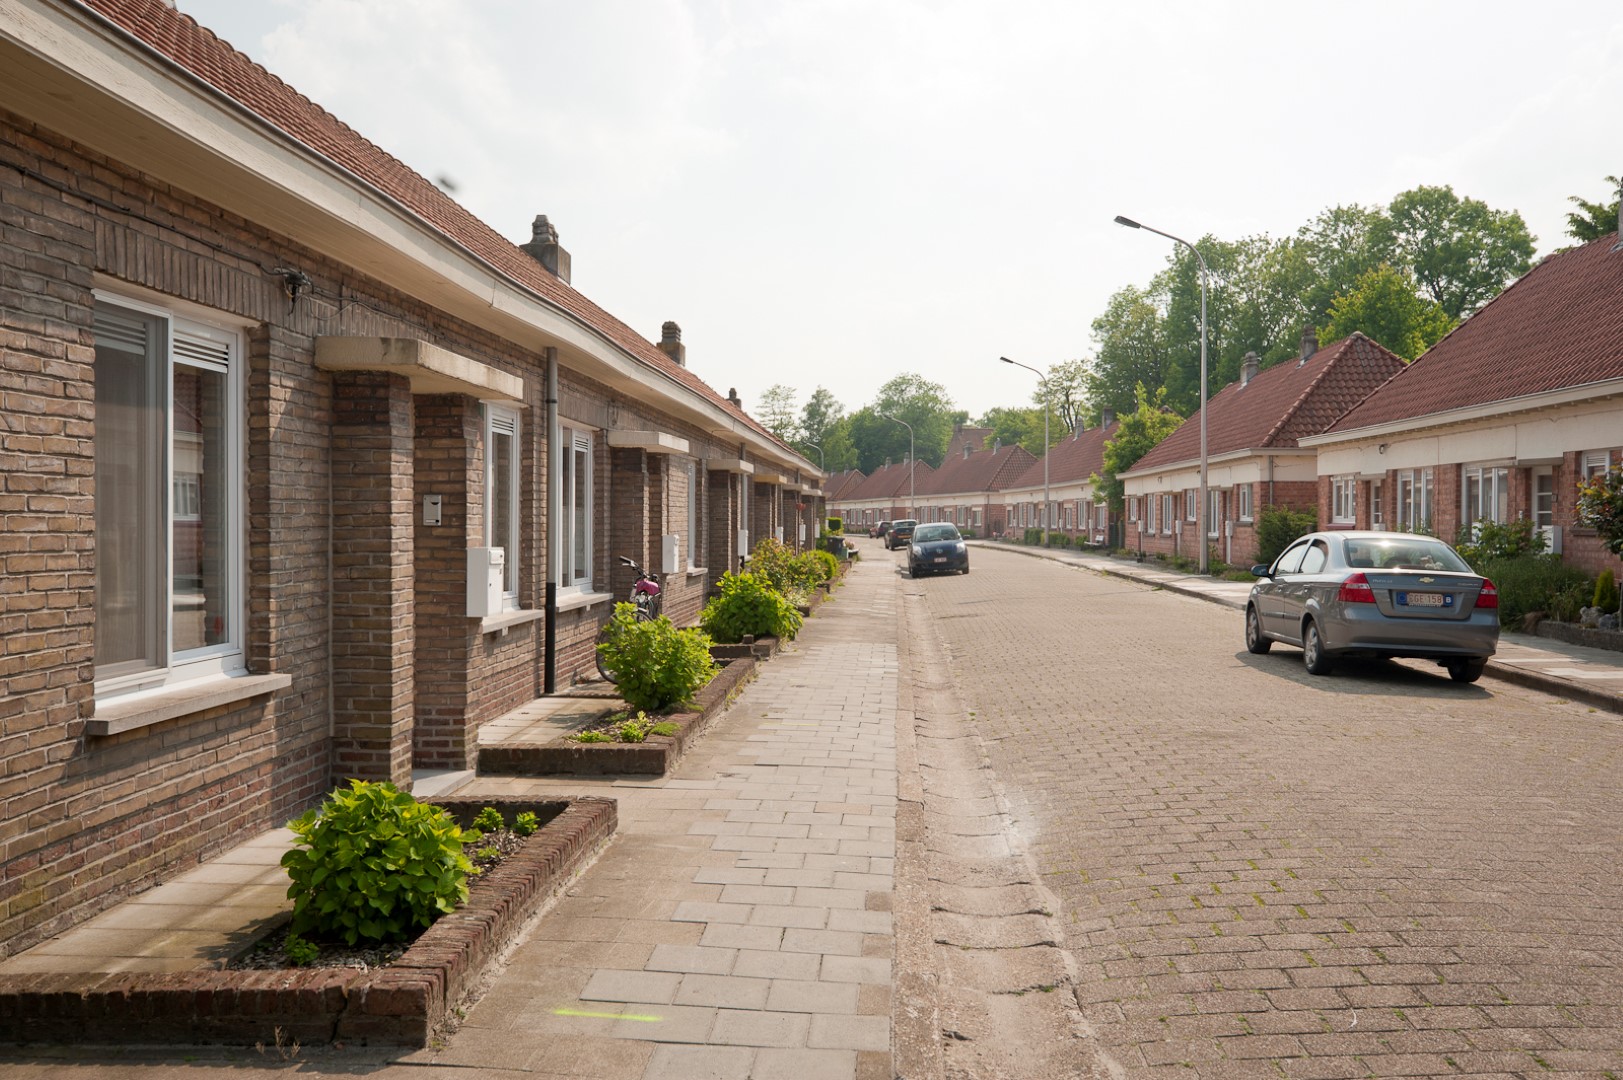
1255, 641
966, 569
1466, 671
1313, 655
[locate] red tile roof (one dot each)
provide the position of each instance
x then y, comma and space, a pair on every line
890, 481
836, 486
179, 39
979, 471
1288, 401
1074, 458
1559, 326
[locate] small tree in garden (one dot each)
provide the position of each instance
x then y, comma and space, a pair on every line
1600, 507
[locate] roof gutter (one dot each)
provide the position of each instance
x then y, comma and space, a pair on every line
1567, 395
1217, 459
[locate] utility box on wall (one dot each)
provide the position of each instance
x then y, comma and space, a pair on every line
670, 555
487, 570
743, 542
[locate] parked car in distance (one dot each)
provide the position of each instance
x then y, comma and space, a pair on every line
1374, 594
899, 533
937, 548
878, 529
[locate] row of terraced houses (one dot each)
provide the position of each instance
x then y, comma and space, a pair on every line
305, 472
1501, 420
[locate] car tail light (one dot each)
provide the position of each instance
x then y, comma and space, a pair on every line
1356, 590
1489, 596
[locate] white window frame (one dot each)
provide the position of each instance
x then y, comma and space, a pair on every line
693, 515
1593, 463
1484, 493
576, 503
1168, 514
1214, 512
1247, 506
1414, 500
1191, 502
1344, 499
189, 341
502, 421
1132, 508
1377, 503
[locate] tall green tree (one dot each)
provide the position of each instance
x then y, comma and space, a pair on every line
921, 403
1386, 305
817, 418
1065, 390
1020, 425
1461, 251
1141, 430
777, 412
1336, 248
1130, 346
839, 452
1593, 220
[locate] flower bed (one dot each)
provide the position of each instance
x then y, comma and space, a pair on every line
401, 1004
652, 757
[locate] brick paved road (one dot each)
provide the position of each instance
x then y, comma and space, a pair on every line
1268, 875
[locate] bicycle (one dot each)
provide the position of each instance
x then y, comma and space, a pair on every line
645, 598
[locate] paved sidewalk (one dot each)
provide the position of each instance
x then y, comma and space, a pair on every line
1594, 676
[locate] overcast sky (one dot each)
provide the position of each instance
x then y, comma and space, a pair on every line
831, 192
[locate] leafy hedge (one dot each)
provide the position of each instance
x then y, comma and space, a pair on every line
747, 604
1277, 526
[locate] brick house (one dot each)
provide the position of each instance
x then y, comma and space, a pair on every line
1072, 463
1500, 420
886, 494
305, 473
965, 489
1254, 456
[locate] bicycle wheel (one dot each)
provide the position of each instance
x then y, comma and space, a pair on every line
604, 633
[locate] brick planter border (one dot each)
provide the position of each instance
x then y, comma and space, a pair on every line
401, 1004
653, 757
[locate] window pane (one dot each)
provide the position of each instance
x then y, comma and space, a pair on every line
580, 532
200, 531
503, 495
130, 509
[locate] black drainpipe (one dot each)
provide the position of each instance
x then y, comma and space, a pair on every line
549, 648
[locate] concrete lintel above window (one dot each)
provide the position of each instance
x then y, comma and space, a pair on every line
769, 478
1524, 462
431, 369
655, 442
729, 465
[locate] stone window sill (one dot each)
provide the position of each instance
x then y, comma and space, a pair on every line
697, 571
144, 710
574, 601
506, 620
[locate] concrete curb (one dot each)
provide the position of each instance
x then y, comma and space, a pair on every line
1496, 670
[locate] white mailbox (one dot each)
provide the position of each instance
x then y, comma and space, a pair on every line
486, 573
670, 554
743, 542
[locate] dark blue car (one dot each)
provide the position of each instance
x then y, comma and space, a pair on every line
937, 548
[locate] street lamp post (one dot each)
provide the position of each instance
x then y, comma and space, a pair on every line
1047, 502
912, 462
819, 449
1201, 510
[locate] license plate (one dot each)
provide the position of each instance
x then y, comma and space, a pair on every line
1425, 599
939, 558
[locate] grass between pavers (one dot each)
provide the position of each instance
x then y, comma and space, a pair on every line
562, 756
402, 1004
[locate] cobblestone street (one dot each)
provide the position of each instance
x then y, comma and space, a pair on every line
1262, 873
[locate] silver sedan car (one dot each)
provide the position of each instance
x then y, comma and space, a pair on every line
1374, 594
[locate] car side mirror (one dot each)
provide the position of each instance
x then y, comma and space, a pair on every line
1261, 570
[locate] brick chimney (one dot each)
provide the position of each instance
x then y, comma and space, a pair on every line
1107, 417
670, 343
1310, 345
1248, 369
734, 400
545, 249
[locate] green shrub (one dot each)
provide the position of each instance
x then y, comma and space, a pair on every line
747, 604
1032, 536
376, 865
1489, 541
526, 823
784, 569
1568, 604
1530, 583
827, 564
655, 664
967, 534
1605, 596
301, 953
488, 820
1277, 526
